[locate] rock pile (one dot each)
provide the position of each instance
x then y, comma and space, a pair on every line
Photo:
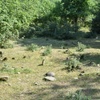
50, 76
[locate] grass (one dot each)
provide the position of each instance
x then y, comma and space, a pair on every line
29, 83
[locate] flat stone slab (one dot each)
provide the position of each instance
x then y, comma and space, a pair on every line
49, 78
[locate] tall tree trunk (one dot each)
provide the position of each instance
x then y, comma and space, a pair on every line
76, 24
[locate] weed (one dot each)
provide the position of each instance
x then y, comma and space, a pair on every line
32, 47
81, 47
73, 64
8, 69
47, 51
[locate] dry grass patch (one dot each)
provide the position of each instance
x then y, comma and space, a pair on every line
30, 85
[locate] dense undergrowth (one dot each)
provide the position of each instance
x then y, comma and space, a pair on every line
29, 18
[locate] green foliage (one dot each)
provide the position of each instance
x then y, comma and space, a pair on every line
16, 16
78, 96
72, 64
4, 43
81, 47
44, 18
77, 10
96, 24
8, 69
32, 47
47, 51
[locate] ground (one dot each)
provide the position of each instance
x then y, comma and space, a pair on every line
26, 74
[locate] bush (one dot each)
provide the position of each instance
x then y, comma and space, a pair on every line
32, 47
72, 64
15, 16
81, 47
4, 41
47, 51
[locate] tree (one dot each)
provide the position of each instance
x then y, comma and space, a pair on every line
96, 22
78, 10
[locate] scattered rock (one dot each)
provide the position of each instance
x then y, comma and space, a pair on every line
24, 57
4, 59
9, 84
36, 83
49, 78
83, 71
67, 58
18, 72
4, 78
13, 58
81, 74
98, 65
52, 74
76, 78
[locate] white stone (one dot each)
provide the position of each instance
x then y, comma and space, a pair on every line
76, 78
49, 78
50, 74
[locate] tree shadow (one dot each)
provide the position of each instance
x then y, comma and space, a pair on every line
89, 86
61, 90
48, 93
91, 59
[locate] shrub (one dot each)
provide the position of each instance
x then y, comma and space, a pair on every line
81, 47
6, 45
47, 51
32, 47
73, 64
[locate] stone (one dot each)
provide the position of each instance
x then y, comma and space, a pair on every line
98, 65
83, 71
4, 78
50, 74
81, 74
49, 78
76, 78
4, 59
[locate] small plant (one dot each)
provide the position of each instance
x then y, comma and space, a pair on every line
7, 45
47, 51
81, 47
8, 69
32, 47
78, 96
73, 64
